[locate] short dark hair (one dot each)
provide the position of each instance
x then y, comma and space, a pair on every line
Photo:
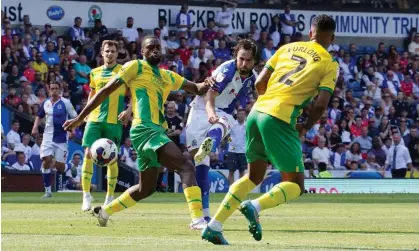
324, 23
15, 121
147, 38
248, 44
77, 154
110, 43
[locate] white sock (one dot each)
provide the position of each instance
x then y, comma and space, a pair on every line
206, 212
215, 225
86, 194
255, 203
48, 189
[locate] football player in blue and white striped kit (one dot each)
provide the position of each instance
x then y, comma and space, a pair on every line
56, 110
210, 119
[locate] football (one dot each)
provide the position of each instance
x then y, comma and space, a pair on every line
104, 152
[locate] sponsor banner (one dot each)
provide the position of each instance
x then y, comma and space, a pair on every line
219, 183
114, 15
127, 177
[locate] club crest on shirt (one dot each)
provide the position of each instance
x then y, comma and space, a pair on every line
220, 77
59, 106
194, 143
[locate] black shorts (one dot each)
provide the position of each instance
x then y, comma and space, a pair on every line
236, 161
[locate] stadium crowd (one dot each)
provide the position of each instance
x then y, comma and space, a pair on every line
375, 100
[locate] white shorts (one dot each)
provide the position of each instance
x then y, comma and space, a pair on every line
197, 126
57, 150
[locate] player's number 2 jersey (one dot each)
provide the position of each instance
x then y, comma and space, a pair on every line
149, 87
113, 105
299, 71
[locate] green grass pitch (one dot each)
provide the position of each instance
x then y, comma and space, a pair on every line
314, 222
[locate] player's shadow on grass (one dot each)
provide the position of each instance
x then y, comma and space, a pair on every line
325, 231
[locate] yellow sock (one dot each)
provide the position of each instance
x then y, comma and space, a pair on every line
279, 194
112, 174
87, 173
124, 201
236, 194
194, 199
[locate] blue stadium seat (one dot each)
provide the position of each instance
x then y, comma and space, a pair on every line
36, 162
345, 47
370, 49
360, 49
400, 50
365, 175
11, 159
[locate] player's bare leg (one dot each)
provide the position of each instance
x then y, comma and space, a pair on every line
237, 193
170, 156
145, 188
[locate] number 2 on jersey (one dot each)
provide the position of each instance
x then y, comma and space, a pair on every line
285, 78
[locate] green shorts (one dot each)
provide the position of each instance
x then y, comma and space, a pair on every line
146, 140
271, 139
96, 130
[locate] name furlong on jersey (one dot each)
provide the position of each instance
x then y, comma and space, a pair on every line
230, 86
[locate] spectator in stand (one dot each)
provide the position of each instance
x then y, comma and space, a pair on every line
275, 30
36, 148
220, 35
334, 114
364, 140
40, 66
373, 91
76, 32
196, 61
404, 130
414, 46
38, 83
371, 165
125, 149
321, 133
222, 52
288, 21
269, 50
24, 106
180, 68
5, 151
24, 147
254, 32
40, 94
224, 17
13, 137
321, 153
131, 161
174, 122
181, 108
378, 152
82, 70
50, 56
391, 85
183, 20
196, 41
353, 154
236, 158
13, 79
172, 44
210, 33
407, 85
129, 33
20, 164
6, 39
123, 55
338, 157
398, 158
100, 29
12, 99
400, 104
335, 139
356, 128
164, 31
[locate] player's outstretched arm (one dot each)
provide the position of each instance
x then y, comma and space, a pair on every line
35, 126
124, 116
94, 102
262, 81
198, 89
318, 110
210, 106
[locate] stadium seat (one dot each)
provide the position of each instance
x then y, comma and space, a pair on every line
360, 49
11, 159
400, 50
36, 161
365, 175
370, 49
345, 47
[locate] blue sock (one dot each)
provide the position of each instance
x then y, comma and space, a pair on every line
203, 183
46, 177
216, 134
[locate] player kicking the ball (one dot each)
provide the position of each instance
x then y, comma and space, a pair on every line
210, 119
290, 80
104, 121
56, 110
149, 88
